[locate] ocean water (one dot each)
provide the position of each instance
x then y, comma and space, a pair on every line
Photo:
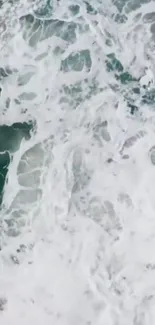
77, 162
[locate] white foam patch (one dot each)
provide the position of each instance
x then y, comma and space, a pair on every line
77, 223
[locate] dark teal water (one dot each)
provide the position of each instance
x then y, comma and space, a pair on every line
10, 140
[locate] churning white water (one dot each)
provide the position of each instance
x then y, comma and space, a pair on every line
77, 224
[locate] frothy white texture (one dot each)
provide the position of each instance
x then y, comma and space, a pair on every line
78, 229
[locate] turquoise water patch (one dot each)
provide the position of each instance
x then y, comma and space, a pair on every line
125, 78
74, 9
136, 90
4, 163
113, 64
134, 93
11, 136
35, 30
149, 17
132, 108
149, 97
44, 11
152, 29
77, 61
119, 4
129, 5
27, 96
120, 18
135, 4
25, 78
5, 72
10, 139
90, 9
143, 97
